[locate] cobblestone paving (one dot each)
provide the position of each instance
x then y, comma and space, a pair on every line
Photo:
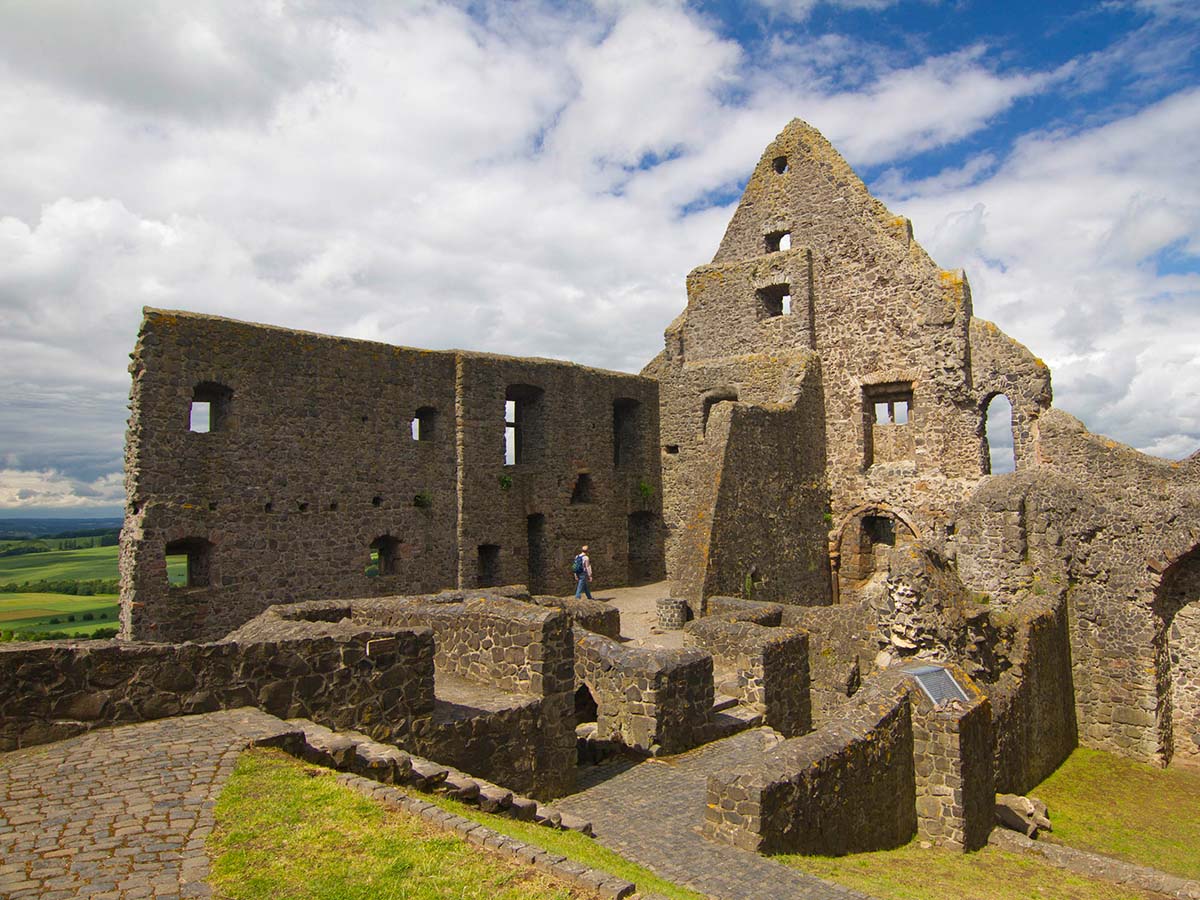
648, 812
121, 812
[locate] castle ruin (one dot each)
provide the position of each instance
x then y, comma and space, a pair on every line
806, 462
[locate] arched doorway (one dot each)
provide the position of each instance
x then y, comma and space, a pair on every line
1177, 603
864, 541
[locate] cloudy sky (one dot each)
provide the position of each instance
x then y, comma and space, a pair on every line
537, 178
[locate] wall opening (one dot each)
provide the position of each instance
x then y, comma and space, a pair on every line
999, 454
1177, 660
582, 492
385, 557
523, 424
537, 553
424, 424
778, 240
780, 165
487, 570
586, 707
646, 564
627, 433
712, 400
887, 417
189, 562
210, 407
863, 549
775, 300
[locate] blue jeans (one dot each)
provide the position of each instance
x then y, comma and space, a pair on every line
583, 587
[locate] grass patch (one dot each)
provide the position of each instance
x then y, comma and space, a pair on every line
22, 612
583, 850
913, 873
283, 832
1101, 802
60, 565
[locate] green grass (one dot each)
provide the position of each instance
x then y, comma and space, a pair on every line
1141, 813
32, 612
582, 849
286, 830
913, 873
60, 565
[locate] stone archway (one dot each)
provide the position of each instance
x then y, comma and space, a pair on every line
866, 536
1177, 603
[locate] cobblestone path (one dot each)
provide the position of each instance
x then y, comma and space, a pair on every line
121, 812
648, 812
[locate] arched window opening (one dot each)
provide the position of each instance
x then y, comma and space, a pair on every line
210, 407
780, 165
424, 424
385, 557
1000, 456
189, 562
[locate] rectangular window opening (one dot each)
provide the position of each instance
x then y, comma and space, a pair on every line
201, 418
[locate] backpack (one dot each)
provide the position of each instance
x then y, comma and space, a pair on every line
577, 566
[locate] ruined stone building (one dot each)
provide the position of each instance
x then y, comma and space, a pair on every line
806, 462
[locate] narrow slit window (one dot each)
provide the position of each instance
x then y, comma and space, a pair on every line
201, 418
424, 424
523, 427
510, 432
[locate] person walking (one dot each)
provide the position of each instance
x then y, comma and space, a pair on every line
582, 567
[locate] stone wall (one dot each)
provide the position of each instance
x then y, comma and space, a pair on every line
360, 678
594, 615
841, 650
952, 744
654, 701
764, 668
848, 787
743, 462
505, 679
321, 450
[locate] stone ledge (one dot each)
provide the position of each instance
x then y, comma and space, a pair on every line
604, 883
1096, 865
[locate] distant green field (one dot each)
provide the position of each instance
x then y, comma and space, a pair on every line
33, 612
60, 565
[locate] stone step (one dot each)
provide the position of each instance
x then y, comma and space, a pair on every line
722, 702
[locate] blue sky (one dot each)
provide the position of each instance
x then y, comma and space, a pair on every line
537, 178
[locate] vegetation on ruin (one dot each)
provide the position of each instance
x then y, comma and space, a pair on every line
284, 829
913, 872
583, 850
1102, 802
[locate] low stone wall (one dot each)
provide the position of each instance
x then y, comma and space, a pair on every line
594, 615
840, 649
1033, 701
849, 787
735, 609
952, 745
768, 667
366, 679
655, 701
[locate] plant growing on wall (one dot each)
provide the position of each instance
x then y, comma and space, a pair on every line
505, 482
423, 500
645, 489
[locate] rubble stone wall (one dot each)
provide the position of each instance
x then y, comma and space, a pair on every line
847, 787
313, 460
655, 701
841, 650
379, 681
952, 743
767, 669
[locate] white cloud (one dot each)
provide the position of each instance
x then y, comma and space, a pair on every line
500, 176
1063, 246
49, 489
